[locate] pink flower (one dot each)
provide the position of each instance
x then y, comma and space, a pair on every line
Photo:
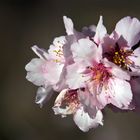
107, 82
85, 116
121, 47
49, 70
43, 72
90, 69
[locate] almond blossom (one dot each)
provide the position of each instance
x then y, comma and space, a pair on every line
48, 71
122, 46
90, 69
107, 82
85, 116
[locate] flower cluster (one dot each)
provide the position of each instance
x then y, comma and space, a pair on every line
91, 69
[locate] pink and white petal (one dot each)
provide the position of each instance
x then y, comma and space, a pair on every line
84, 50
40, 52
61, 107
88, 100
52, 71
120, 93
75, 78
100, 31
136, 57
62, 81
68, 25
67, 48
56, 49
108, 44
115, 70
104, 96
52, 54
43, 94
85, 122
129, 29
34, 71
89, 31
59, 41
85, 97
135, 82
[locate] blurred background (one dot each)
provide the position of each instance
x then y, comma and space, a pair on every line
24, 23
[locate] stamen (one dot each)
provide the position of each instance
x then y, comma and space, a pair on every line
58, 52
121, 59
71, 101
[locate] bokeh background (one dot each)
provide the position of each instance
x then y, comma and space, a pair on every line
24, 23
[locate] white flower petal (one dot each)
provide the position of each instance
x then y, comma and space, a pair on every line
53, 71
56, 49
75, 78
34, 72
115, 70
63, 104
59, 41
85, 50
85, 122
100, 31
43, 94
89, 31
136, 57
40, 52
129, 29
41, 72
68, 25
89, 101
120, 93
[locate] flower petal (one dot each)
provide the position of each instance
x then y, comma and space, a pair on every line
89, 101
41, 72
100, 31
135, 84
34, 72
40, 52
68, 25
136, 53
53, 71
85, 50
75, 78
43, 94
135, 59
85, 122
129, 29
117, 92
116, 71
120, 93
56, 49
108, 44
63, 104
89, 31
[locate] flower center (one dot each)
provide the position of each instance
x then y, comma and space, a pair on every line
71, 101
120, 58
100, 73
59, 54
99, 78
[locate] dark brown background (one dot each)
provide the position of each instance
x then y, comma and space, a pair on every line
24, 23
